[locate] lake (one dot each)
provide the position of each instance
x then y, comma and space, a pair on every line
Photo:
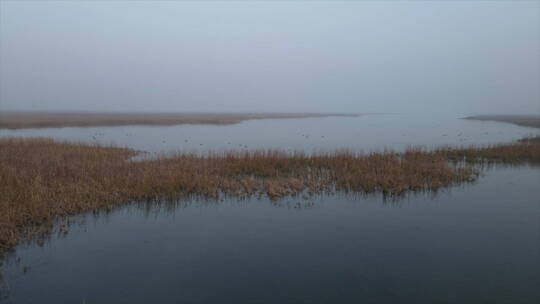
474, 243
368, 132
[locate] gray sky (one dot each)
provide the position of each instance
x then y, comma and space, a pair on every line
301, 56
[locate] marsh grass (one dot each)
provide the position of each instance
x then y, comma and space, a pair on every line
22, 120
532, 121
43, 180
526, 150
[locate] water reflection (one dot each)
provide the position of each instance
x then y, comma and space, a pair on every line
157, 210
340, 248
368, 132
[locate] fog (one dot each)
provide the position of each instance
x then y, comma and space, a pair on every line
309, 56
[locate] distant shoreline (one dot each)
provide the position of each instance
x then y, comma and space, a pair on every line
27, 120
532, 121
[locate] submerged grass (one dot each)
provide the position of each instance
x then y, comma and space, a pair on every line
43, 180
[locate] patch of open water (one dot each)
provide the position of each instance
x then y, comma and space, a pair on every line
476, 243
368, 132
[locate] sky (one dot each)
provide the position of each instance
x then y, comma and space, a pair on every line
462, 57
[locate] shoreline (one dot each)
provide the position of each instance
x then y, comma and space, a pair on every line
27, 120
532, 121
45, 180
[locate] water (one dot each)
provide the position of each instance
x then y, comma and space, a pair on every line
477, 243
369, 132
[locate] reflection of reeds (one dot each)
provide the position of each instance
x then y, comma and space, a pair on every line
42, 180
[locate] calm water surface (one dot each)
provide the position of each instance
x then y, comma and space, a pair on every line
478, 243
369, 132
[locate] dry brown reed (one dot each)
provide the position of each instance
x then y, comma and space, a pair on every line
43, 180
526, 150
520, 120
21, 120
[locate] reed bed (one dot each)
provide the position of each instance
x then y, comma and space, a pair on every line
526, 150
532, 121
43, 180
22, 120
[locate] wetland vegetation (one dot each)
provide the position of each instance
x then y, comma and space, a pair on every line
269, 152
24, 120
520, 120
43, 180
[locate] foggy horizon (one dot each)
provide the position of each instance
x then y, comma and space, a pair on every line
310, 57
269, 151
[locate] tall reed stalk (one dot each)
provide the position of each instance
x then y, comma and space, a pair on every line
42, 180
